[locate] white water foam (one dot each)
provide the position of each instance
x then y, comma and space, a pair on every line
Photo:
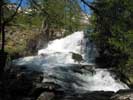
56, 61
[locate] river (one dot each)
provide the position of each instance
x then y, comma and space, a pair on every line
78, 74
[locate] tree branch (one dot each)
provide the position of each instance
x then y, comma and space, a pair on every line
90, 6
37, 6
13, 15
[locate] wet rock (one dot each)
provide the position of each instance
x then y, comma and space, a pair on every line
46, 96
47, 86
77, 57
96, 95
25, 84
22, 70
123, 95
18, 83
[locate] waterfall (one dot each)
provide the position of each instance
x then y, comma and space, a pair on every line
59, 65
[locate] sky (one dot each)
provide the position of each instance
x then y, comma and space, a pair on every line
24, 3
83, 6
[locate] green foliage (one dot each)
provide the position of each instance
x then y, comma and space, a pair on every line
113, 33
18, 41
26, 25
59, 14
27, 21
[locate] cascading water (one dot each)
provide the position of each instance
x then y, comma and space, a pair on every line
58, 65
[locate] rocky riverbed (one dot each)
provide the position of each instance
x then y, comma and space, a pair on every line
20, 83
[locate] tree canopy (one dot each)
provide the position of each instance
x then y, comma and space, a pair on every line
112, 22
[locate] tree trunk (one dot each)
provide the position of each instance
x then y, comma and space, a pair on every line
3, 38
3, 54
45, 29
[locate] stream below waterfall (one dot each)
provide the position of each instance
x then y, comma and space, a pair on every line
73, 73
